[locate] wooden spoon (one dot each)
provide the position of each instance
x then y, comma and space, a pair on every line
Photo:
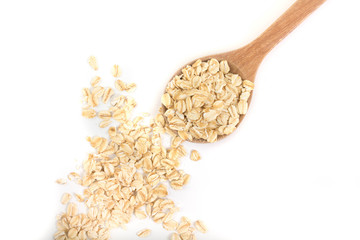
245, 61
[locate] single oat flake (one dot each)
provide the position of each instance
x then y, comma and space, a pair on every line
144, 233
195, 156
93, 63
65, 198
89, 113
200, 226
95, 81
61, 181
116, 71
175, 236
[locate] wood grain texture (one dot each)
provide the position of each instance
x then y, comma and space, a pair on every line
249, 57
245, 61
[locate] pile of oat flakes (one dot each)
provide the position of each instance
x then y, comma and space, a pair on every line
205, 101
128, 172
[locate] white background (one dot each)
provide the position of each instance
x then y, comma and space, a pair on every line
291, 170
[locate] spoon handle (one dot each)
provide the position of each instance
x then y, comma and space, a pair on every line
253, 53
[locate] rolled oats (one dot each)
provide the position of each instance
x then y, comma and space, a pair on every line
105, 123
93, 63
195, 156
65, 198
170, 225
116, 71
107, 95
79, 197
140, 214
61, 181
144, 233
126, 173
205, 101
175, 236
200, 226
72, 233
183, 226
95, 81
89, 113
242, 107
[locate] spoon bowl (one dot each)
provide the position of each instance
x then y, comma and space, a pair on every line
234, 69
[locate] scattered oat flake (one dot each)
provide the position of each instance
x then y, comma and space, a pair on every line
71, 209
89, 113
170, 225
93, 63
144, 233
107, 95
116, 71
65, 198
72, 233
79, 197
175, 236
61, 181
183, 227
140, 214
130, 87
104, 123
120, 85
200, 226
186, 179
73, 175
195, 156
95, 81
186, 235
